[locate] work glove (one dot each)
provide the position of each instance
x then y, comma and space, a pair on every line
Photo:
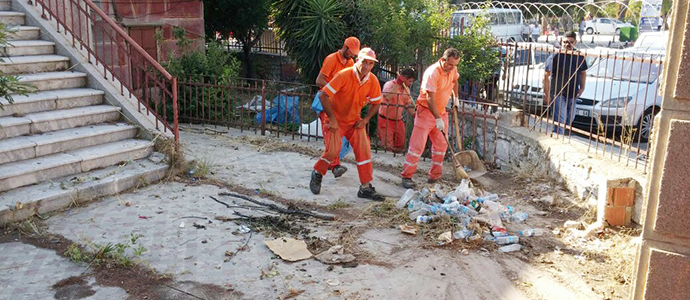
440, 125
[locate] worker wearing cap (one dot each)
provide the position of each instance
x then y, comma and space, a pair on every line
396, 97
343, 98
431, 120
332, 64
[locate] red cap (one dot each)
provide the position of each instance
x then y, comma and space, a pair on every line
352, 43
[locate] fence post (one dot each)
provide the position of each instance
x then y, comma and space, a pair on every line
176, 128
263, 107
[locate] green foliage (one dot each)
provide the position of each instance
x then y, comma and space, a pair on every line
311, 29
632, 14
480, 57
117, 254
10, 85
398, 29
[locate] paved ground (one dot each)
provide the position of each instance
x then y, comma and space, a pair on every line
197, 264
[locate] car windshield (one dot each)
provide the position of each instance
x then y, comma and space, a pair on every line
619, 69
523, 57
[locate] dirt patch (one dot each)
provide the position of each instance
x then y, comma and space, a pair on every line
74, 287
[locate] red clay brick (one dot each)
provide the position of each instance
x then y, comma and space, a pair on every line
609, 197
615, 215
624, 196
668, 276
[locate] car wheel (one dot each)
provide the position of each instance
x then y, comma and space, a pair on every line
590, 30
618, 31
644, 126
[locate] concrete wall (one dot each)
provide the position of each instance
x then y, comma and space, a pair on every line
585, 173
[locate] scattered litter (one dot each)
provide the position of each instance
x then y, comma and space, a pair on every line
333, 282
510, 248
445, 238
335, 255
330, 268
198, 226
293, 293
128, 204
465, 252
532, 232
409, 229
572, 224
143, 217
271, 272
181, 224
505, 240
204, 241
243, 229
349, 265
546, 200
289, 249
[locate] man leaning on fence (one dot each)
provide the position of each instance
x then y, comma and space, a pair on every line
431, 120
564, 81
390, 127
332, 64
342, 99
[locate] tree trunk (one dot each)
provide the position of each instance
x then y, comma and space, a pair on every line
248, 67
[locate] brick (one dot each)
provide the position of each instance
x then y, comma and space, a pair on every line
668, 276
673, 207
623, 196
615, 215
609, 196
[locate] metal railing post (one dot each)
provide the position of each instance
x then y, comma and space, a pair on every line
176, 128
263, 107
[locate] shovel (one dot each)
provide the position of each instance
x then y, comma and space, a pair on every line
466, 158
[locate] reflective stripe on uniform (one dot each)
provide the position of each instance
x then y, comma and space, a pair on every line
438, 153
409, 164
414, 154
363, 162
330, 88
437, 163
329, 162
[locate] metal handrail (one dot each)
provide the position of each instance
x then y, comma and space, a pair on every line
143, 77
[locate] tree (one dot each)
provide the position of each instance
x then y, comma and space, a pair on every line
245, 20
311, 29
10, 85
403, 31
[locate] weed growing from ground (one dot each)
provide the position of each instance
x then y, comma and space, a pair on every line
109, 254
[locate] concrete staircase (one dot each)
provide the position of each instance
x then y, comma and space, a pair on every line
63, 143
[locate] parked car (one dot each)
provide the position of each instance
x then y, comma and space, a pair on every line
605, 26
622, 93
651, 41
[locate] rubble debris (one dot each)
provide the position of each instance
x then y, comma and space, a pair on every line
572, 224
198, 226
333, 282
546, 200
465, 252
335, 255
318, 215
409, 229
289, 249
181, 224
243, 229
445, 238
271, 272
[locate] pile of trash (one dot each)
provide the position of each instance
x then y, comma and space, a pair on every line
468, 206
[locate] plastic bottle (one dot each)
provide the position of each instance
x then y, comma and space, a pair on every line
510, 248
438, 191
455, 205
426, 219
505, 240
495, 219
417, 213
467, 210
500, 233
519, 217
406, 197
532, 232
416, 205
462, 234
449, 199
490, 197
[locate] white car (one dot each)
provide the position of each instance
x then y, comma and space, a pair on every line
651, 41
605, 26
622, 93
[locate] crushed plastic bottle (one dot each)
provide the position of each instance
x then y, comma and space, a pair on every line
426, 219
466, 210
406, 197
532, 232
510, 248
490, 197
462, 191
505, 240
417, 213
449, 199
499, 233
519, 217
438, 191
462, 234
451, 206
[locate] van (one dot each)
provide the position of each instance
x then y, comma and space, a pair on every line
506, 23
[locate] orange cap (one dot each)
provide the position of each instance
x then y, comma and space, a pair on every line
352, 43
367, 53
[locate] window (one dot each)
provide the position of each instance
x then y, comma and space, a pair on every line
510, 18
605, 21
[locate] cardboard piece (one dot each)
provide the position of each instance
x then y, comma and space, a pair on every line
289, 249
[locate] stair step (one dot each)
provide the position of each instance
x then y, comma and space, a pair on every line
51, 100
5, 5
28, 47
54, 80
32, 146
34, 64
59, 193
24, 33
57, 120
32, 171
12, 18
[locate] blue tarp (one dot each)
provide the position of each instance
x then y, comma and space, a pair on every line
285, 109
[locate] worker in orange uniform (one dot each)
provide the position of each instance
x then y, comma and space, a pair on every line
396, 97
431, 121
332, 64
342, 99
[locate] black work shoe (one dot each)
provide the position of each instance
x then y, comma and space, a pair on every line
315, 183
432, 180
369, 193
339, 171
408, 183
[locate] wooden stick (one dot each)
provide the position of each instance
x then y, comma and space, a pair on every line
279, 209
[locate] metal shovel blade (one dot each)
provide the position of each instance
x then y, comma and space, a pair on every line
470, 159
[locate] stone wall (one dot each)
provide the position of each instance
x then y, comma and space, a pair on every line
583, 172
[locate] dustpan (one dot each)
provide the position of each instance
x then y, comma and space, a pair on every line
470, 160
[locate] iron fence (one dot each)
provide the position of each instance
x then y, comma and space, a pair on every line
268, 43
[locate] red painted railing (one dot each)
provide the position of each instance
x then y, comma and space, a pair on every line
124, 62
